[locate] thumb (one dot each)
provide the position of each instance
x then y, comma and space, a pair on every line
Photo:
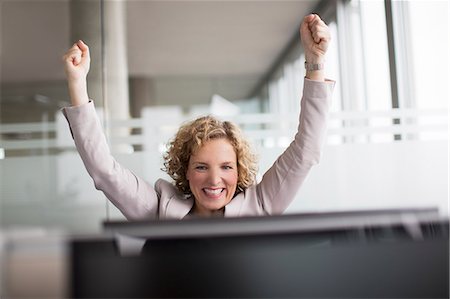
84, 49
82, 45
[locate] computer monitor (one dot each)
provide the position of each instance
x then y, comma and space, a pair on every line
379, 260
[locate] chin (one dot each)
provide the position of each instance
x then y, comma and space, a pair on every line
214, 206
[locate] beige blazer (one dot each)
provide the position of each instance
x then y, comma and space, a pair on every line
138, 200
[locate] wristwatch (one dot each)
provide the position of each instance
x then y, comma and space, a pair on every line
314, 66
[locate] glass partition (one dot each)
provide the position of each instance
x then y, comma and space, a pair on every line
43, 182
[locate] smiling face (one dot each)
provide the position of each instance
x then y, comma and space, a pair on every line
212, 174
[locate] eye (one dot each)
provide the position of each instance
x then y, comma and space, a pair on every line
227, 167
200, 167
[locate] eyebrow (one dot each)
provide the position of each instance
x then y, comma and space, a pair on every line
205, 163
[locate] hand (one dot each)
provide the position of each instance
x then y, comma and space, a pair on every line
76, 65
77, 62
315, 37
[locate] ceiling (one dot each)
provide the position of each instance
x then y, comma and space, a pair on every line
209, 37
164, 38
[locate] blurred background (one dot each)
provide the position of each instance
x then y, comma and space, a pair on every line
156, 64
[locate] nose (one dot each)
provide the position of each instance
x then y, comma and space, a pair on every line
214, 177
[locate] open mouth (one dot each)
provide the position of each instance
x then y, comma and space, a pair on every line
213, 192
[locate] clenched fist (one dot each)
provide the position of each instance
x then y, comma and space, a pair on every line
76, 65
77, 61
315, 37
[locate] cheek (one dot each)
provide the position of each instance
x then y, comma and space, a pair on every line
194, 178
232, 178
190, 174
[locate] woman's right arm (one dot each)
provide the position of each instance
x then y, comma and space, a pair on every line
133, 196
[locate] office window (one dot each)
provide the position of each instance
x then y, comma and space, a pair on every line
375, 54
387, 140
422, 66
364, 68
427, 50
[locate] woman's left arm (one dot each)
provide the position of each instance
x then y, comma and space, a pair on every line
284, 178
282, 181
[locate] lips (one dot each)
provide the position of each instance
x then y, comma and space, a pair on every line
213, 192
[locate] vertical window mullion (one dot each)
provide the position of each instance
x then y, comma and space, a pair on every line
404, 61
392, 61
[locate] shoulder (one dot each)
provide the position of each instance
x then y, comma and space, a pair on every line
167, 188
246, 203
173, 203
168, 192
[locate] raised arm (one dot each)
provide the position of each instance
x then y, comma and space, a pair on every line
282, 181
135, 198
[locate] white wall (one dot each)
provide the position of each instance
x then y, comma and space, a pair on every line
384, 175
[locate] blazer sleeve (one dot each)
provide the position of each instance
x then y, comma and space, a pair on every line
133, 196
284, 178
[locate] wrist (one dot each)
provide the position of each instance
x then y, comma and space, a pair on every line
78, 92
77, 81
316, 59
314, 66
315, 71
315, 75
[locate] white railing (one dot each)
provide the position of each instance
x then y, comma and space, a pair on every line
157, 126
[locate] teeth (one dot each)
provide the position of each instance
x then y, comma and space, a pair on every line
213, 191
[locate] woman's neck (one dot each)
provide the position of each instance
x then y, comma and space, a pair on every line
207, 213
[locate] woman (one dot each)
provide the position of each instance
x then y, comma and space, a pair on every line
211, 164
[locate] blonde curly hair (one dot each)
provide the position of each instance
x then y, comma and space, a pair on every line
192, 135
